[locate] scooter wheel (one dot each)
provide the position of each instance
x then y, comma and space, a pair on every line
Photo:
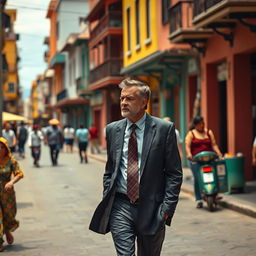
210, 203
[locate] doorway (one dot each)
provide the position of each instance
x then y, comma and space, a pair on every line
223, 116
222, 108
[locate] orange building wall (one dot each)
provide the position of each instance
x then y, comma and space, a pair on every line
52, 15
239, 108
164, 31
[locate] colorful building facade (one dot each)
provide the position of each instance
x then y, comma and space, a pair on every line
106, 61
149, 55
11, 87
223, 32
68, 62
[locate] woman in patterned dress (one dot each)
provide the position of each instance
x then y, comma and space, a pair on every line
10, 173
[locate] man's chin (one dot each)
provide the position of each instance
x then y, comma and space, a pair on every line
125, 114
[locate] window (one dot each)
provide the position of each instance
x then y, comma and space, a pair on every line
148, 18
137, 10
11, 87
165, 8
128, 16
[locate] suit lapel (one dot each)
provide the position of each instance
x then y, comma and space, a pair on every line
119, 141
149, 134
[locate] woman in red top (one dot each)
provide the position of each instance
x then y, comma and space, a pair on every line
197, 140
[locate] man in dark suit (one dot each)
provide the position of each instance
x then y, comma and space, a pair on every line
142, 176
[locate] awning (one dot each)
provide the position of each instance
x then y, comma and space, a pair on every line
72, 102
58, 59
12, 117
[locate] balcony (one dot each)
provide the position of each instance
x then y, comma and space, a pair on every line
111, 21
181, 28
62, 95
109, 68
82, 86
221, 13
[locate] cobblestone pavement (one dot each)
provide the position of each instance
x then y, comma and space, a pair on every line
55, 205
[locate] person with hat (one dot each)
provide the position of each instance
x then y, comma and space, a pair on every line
54, 138
10, 173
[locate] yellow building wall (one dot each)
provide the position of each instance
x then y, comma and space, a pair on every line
34, 100
146, 48
10, 51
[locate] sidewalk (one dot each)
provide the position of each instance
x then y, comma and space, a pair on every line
244, 203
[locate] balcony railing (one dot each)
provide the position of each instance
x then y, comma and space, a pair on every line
112, 20
181, 15
82, 85
62, 95
203, 5
108, 68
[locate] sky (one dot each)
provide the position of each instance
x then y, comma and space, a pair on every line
33, 27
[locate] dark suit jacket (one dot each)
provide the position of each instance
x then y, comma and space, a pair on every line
161, 175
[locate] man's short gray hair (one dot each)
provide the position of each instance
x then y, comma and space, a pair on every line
144, 88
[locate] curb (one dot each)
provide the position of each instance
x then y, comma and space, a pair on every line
187, 188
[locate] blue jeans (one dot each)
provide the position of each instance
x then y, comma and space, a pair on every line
194, 168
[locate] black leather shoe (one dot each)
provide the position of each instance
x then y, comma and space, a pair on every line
199, 205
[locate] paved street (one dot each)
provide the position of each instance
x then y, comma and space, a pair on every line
55, 205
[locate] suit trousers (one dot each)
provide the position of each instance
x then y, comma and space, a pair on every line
123, 229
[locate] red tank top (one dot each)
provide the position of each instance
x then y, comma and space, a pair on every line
199, 145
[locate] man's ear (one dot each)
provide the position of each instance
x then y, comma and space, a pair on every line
146, 103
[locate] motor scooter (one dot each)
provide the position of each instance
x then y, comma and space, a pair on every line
207, 178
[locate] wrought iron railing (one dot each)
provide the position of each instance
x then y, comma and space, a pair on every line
62, 95
203, 5
112, 20
110, 67
181, 15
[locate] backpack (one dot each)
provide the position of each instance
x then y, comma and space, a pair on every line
23, 134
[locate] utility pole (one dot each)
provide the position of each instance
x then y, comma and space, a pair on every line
1, 65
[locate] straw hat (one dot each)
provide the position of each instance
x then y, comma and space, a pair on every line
54, 121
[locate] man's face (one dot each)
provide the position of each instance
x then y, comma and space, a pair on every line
132, 103
7, 127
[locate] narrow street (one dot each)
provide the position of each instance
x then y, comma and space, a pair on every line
55, 205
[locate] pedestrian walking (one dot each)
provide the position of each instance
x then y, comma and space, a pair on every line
199, 139
69, 135
10, 173
10, 136
179, 140
142, 176
35, 138
82, 135
94, 139
54, 138
22, 135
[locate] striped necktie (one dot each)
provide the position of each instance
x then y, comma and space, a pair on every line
133, 167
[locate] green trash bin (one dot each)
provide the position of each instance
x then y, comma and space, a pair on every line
235, 174
222, 176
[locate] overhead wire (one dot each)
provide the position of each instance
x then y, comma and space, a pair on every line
42, 9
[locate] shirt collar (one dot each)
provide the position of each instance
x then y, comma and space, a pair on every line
140, 123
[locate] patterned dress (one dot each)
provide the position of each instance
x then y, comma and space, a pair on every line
7, 199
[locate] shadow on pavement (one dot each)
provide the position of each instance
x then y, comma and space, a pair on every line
24, 205
17, 248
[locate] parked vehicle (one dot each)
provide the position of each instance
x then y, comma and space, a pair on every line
208, 179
